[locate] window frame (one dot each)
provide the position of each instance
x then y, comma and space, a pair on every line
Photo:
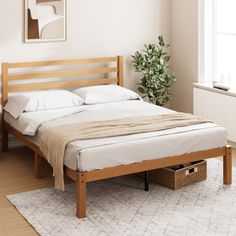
207, 41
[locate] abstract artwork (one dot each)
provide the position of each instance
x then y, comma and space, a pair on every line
45, 20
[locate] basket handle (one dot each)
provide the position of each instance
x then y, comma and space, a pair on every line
191, 171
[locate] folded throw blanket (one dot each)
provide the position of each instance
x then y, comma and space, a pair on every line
53, 140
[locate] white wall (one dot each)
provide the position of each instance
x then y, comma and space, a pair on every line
95, 28
110, 27
184, 50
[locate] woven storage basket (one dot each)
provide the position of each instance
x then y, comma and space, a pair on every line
175, 179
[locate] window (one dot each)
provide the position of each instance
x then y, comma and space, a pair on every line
217, 41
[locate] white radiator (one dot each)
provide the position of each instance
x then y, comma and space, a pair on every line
219, 108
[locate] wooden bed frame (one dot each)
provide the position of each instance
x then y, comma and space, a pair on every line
82, 178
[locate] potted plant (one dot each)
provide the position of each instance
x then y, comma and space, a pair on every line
153, 64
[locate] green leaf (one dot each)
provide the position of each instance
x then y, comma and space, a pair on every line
152, 62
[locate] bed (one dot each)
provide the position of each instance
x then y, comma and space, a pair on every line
91, 160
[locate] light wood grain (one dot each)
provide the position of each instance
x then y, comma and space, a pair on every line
154, 164
62, 62
5, 67
56, 74
61, 85
120, 72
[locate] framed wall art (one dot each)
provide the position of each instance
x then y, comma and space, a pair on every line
45, 20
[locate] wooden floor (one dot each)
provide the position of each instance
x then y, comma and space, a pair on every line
16, 175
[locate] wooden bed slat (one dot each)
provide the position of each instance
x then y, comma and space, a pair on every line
62, 62
53, 74
56, 85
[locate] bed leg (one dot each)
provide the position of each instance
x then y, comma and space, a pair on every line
146, 181
227, 166
4, 140
37, 166
81, 196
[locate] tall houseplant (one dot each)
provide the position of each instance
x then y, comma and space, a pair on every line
153, 63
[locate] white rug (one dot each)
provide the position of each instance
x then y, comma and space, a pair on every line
121, 207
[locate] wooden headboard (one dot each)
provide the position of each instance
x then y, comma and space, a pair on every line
96, 67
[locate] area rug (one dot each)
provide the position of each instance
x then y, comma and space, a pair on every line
121, 207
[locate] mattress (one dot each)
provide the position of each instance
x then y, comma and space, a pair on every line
87, 155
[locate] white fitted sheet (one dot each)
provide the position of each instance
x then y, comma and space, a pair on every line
29, 122
86, 155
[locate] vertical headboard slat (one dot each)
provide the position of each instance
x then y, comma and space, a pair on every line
120, 72
4, 83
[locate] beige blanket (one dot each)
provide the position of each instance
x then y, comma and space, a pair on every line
54, 139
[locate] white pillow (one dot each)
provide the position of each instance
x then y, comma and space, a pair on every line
41, 100
105, 94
